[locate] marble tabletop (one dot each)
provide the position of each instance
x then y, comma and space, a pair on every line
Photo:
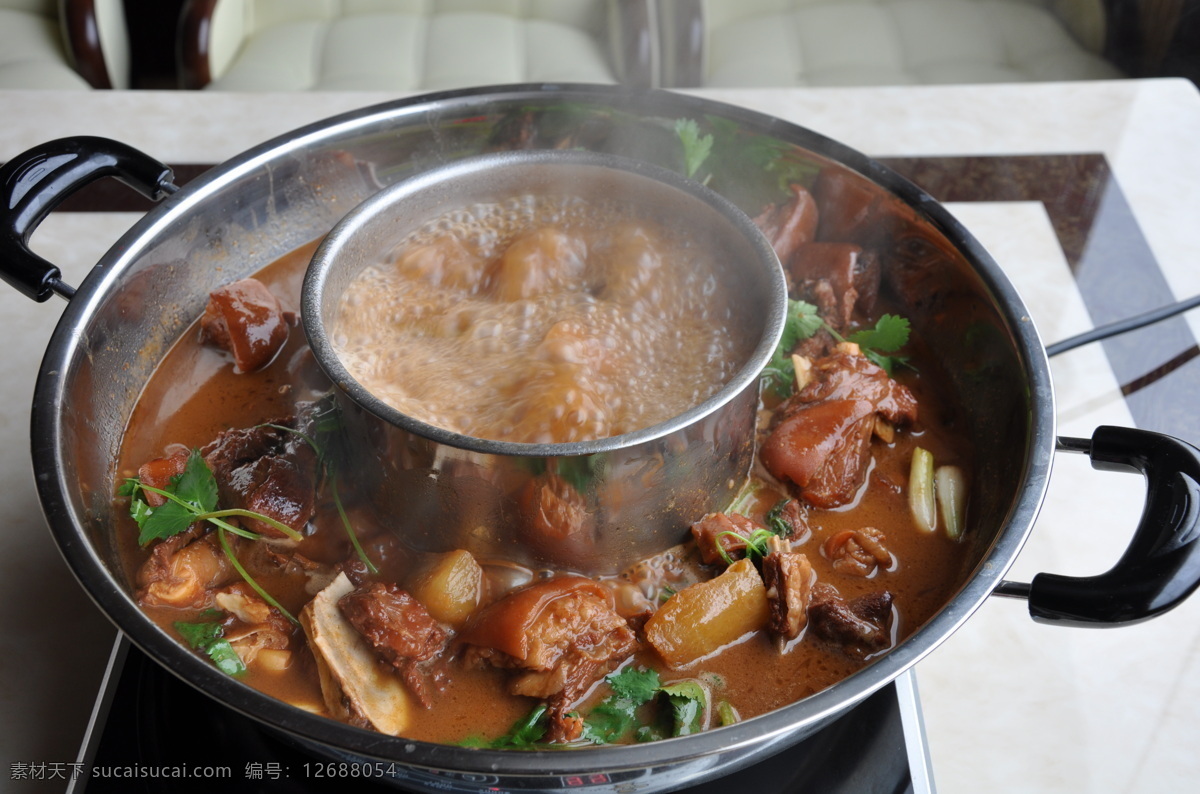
1087, 194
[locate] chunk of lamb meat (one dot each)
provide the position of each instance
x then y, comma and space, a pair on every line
183, 571
560, 635
791, 225
401, 631
859, 627
266, 470
246, 320
720, 531
789, 578
821, 436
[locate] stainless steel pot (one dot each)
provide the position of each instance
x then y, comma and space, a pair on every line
445, 490
250, 210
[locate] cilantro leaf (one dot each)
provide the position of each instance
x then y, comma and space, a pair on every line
197, 485
688, 701
194, 492
801, 322
696, 147
638, 685
889, 334
614, 716
609, 720
525, 733
208, 638
159, 523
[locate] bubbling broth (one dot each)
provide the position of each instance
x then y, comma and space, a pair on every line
542, 319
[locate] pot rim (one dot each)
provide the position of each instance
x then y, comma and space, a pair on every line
772, 729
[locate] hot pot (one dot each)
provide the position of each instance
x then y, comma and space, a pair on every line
250, 210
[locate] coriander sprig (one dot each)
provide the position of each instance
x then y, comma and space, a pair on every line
191, 498
889, 334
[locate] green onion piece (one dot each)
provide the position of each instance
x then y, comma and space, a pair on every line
240, 513
952, 498
358, 549
920, 490
727, 714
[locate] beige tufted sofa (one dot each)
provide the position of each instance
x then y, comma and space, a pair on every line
881, 42
407, 45
67, 44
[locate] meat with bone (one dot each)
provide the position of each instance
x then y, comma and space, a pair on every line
559, 635
821, 438
183, 570
788, 577
252, 625
246, 320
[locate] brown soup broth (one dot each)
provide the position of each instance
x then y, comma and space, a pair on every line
195, 394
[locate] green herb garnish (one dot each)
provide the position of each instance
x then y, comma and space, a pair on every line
688, 702
682, 708
616, 715
208, 638
526, 733
775, 520
889, 334
191, 498
756, 543
696, 147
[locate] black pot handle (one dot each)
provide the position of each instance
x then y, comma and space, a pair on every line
1161, 566
35, 182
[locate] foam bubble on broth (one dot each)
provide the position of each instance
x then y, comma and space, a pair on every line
542, 319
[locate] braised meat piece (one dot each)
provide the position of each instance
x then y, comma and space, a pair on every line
857, 552
252, 625
267, 470
159, 472
788, 577
717, 531
554, 518
860, 627
790, 225
559, 635
396, 624
913, 256
840, 278
821, 439
401, 631
846, 374
246, 320
183, 570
